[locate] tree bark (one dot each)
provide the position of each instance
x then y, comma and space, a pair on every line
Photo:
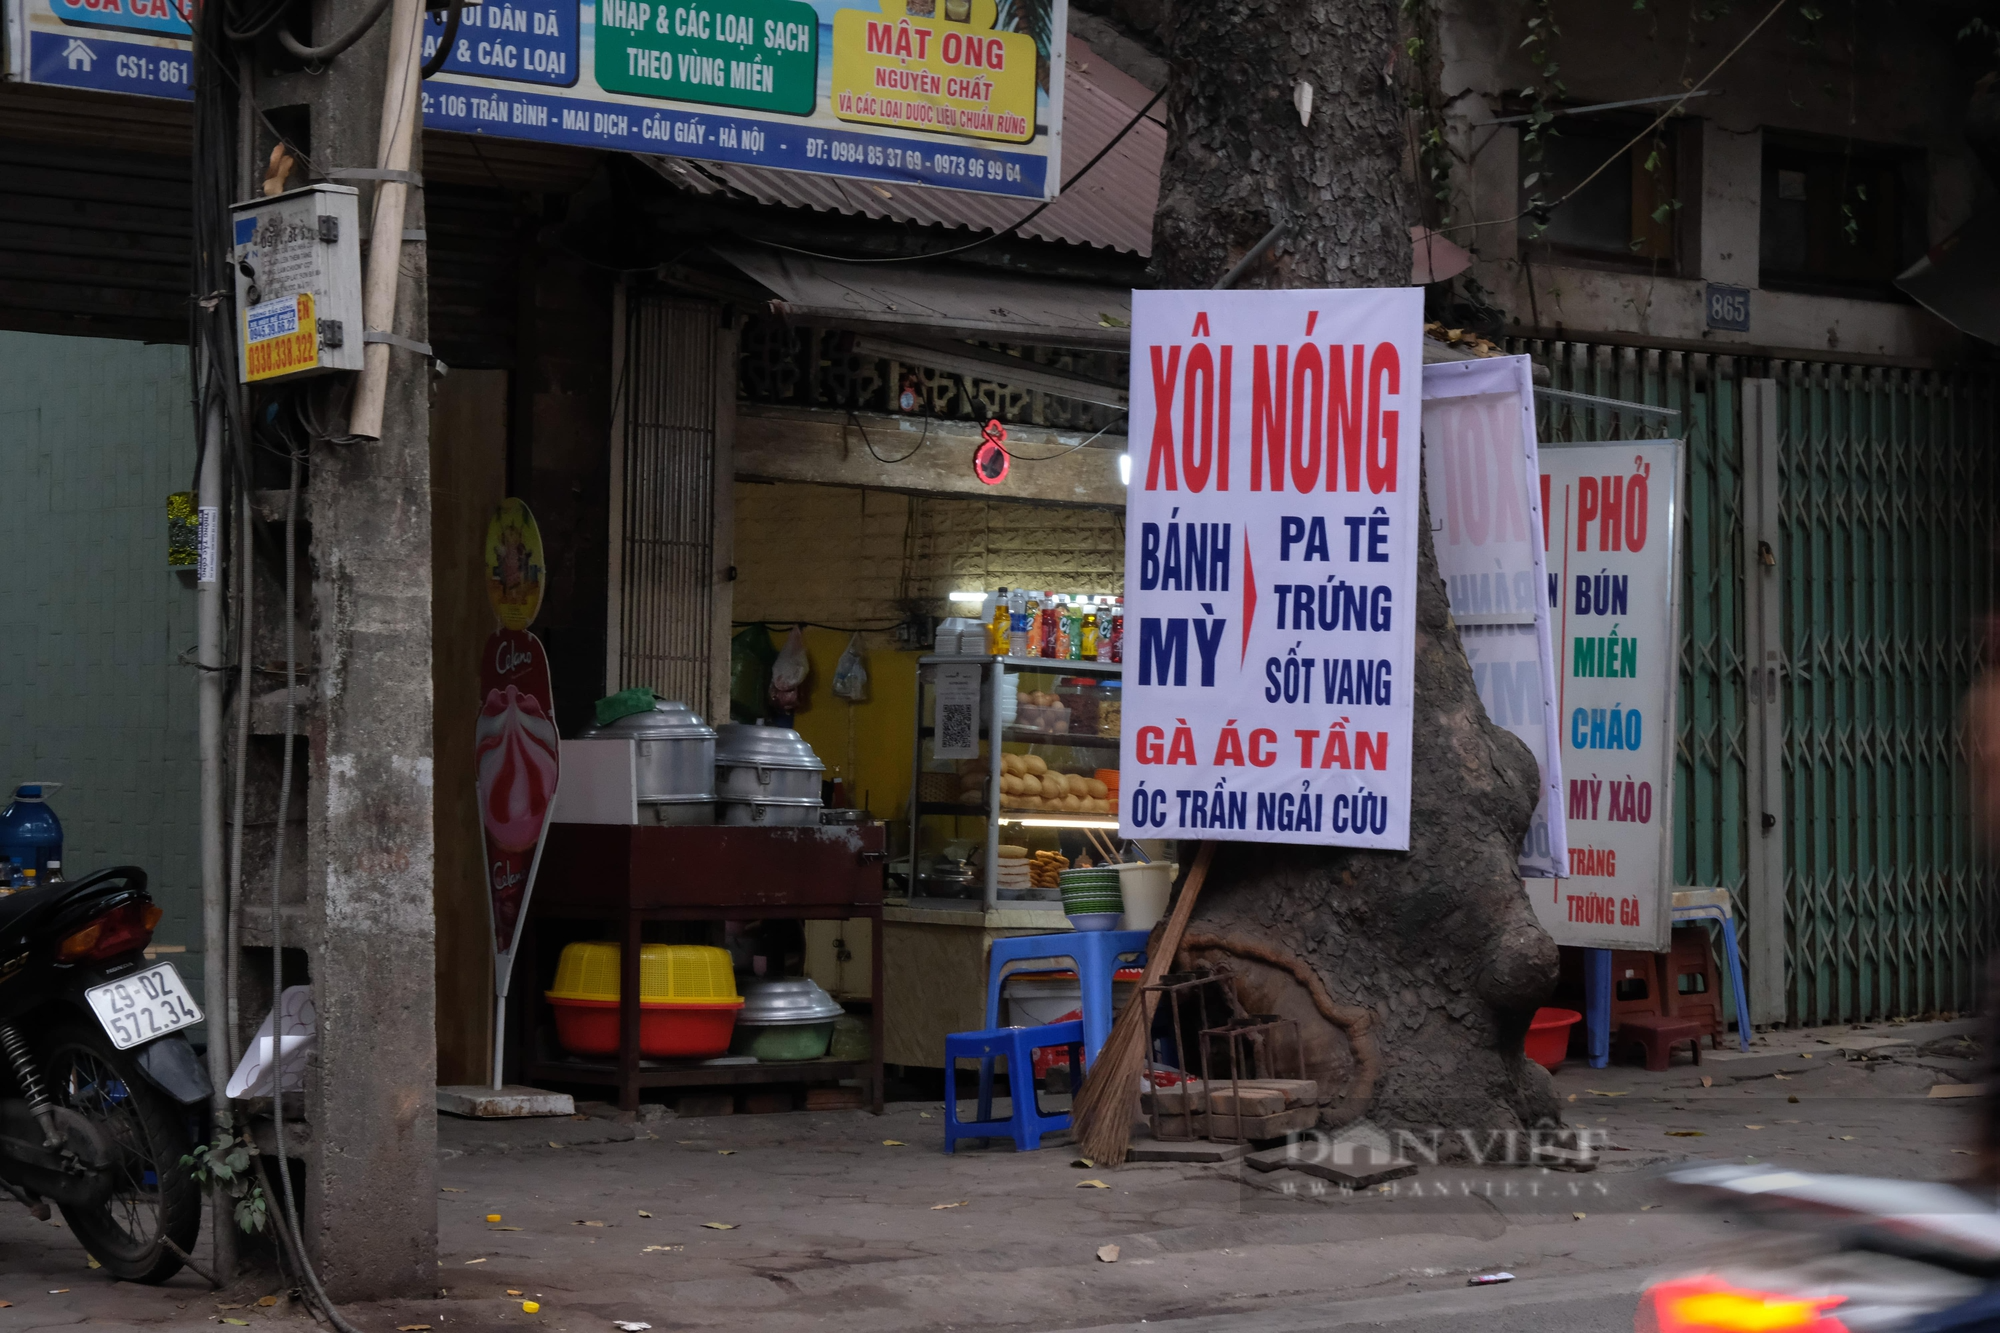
1438, 946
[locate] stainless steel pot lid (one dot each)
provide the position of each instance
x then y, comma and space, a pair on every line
740, 744
770, 1002
669, 720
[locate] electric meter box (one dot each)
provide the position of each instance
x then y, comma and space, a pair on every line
298, 283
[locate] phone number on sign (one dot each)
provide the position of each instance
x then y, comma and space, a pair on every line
910, 159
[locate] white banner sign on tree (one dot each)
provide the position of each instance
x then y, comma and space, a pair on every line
1483, 479
1614, 544
1271, 517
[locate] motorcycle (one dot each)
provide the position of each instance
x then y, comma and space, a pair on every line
1835, 1254
102, 1076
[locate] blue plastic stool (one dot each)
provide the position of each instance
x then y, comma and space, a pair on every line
1095, 955
1017, 1046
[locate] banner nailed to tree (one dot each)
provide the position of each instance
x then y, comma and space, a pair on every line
1270, 565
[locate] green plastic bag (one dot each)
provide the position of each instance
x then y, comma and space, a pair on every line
751, 653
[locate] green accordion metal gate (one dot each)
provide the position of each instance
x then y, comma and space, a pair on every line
1884, 487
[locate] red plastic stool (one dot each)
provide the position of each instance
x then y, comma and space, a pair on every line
1657, 1034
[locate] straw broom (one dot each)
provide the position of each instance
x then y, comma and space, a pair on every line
1109, 1098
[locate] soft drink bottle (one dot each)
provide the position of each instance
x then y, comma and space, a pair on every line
1087, 641
1003, 622
1031, 628
1051, 617
1017, 614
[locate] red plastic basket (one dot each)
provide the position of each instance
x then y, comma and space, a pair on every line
1548, 1036
590, 1027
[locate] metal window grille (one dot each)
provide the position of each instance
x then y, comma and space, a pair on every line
666, 546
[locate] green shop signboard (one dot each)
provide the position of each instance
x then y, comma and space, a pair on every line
762, 55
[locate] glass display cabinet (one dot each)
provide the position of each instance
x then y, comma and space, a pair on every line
1015, 757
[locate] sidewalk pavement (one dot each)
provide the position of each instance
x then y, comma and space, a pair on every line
845, 1221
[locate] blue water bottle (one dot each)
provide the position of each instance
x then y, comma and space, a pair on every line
30, 834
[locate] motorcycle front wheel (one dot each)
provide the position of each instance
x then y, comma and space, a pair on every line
154, 1198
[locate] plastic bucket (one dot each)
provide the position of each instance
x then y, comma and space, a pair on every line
1548, 1036
1146, 889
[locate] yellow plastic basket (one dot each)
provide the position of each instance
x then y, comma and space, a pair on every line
668, 974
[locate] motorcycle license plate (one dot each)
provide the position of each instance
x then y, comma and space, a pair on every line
147, 1004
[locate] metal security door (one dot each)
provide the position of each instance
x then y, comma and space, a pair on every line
671, 500
1886, 484
1881, 485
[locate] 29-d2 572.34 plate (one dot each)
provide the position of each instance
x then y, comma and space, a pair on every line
148, 1004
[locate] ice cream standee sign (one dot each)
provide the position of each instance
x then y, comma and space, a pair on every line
518, 754
1270, 566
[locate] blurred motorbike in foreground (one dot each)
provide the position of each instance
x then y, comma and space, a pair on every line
1836, 1254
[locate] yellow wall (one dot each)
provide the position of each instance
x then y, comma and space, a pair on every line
847, 557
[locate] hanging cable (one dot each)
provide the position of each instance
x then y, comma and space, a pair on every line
989, 239
328, 50
443, 53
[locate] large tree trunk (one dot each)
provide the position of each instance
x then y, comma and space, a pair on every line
1414, 974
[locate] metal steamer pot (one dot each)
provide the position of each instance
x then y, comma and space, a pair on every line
766, 776
674, 761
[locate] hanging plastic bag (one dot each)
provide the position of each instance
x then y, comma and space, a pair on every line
789, 674
750, 657
850, 678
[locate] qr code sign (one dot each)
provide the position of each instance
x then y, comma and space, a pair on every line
955, 726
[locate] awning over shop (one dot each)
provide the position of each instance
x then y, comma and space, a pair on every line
919, 301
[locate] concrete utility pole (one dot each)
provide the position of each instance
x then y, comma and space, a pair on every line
370, 1200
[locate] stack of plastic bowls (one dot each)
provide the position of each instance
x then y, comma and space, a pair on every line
1092, 899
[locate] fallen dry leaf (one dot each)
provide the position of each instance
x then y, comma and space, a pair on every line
590, 1224
1847, 1138
1954, 1090
721, 1226
6, 1305
512, 1292
64, 1291
1579, 1216
1107, 1254
1967, 1152
1782, 1078
413, 1328
554, 1144
940, 1207
90, 1261
1793, 1098
1572, 1096
1707, 1082
1806, 1056
1753, 1127
923, 1115
475, 1261
1685, 1133
894, 1143
650, 1249
644, 1213
220, 1306
451, 1189
503, 1228
267, 1301
1092, 1185
1084, 1162
1595, 1093
240, 1323
725, 1152
1647, 1207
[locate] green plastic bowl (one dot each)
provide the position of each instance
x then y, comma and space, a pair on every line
787, 1041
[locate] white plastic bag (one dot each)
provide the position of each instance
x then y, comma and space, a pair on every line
789, 673
850, 678
254, 1075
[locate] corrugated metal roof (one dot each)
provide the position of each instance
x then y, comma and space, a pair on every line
1110, 208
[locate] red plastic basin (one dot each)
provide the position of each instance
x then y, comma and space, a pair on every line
590, 1027
1548, 1036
